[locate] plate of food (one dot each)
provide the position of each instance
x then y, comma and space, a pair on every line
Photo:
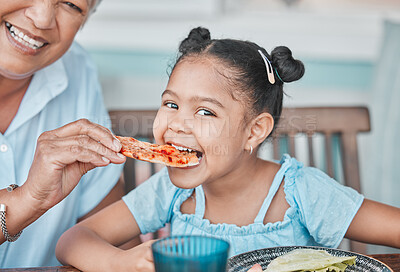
305, 258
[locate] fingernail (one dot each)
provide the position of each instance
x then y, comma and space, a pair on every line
120, 155
105, 159
117, 144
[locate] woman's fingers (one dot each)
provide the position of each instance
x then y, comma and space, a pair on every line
84, 143
60, 154
85, 127
71, 154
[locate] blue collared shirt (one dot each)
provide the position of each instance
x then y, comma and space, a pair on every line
61, 93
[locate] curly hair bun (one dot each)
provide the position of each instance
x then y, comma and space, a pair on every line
196, 41
289, 69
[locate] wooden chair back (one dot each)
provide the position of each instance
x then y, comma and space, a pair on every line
342, 122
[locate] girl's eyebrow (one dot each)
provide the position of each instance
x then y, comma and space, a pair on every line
197, 98
168, 92
208, 99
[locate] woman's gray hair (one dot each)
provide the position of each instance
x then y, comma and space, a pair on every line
96, 4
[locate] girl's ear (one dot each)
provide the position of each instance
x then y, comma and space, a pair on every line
260, 128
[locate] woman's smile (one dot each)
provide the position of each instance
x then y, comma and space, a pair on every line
36, 33
23, 40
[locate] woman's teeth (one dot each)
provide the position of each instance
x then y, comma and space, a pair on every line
22, 38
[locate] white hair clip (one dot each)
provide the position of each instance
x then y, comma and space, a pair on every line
268, 65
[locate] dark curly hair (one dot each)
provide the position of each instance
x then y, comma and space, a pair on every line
246, 68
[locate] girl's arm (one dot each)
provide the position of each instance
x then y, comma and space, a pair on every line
376, 223
92, 245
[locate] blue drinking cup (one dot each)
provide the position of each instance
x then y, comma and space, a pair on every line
190, 253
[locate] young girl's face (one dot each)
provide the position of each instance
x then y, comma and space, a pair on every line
198, 112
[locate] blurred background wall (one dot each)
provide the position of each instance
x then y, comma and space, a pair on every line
350, 50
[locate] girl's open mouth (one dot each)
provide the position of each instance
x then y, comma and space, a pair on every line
189, 150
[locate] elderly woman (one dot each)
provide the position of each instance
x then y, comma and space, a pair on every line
47, 82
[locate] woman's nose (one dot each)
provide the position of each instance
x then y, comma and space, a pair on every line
42, 13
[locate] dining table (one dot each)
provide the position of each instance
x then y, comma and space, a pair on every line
391, 260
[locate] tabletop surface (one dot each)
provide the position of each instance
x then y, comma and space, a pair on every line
392, 260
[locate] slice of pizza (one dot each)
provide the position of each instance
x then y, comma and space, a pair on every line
164, 154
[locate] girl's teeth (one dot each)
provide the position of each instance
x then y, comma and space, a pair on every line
180, 148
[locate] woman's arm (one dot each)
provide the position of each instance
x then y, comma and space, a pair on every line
21, 210
376, 223
92, 245
61, 158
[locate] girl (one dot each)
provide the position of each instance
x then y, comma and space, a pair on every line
223, 99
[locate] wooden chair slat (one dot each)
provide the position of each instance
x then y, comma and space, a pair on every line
276, 148
310, 147
328, 154
292, 145
129, 174
350, 161
324, 119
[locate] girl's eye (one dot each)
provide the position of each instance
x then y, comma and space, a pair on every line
205, 112
73, 6
171, 105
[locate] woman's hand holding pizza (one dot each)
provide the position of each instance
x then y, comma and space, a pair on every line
64, 155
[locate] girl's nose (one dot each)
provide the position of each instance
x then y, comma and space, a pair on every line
180, 123
42, 13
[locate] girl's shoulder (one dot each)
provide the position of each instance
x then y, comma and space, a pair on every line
296, 172
309, 184
152, 201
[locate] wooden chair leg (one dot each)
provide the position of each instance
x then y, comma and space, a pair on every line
129, 175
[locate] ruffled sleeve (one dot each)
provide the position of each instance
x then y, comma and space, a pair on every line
326, 208
151, 202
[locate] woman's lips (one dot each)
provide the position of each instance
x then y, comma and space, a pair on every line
24, 40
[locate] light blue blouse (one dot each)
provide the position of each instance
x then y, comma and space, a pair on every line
320, 210
62, 92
